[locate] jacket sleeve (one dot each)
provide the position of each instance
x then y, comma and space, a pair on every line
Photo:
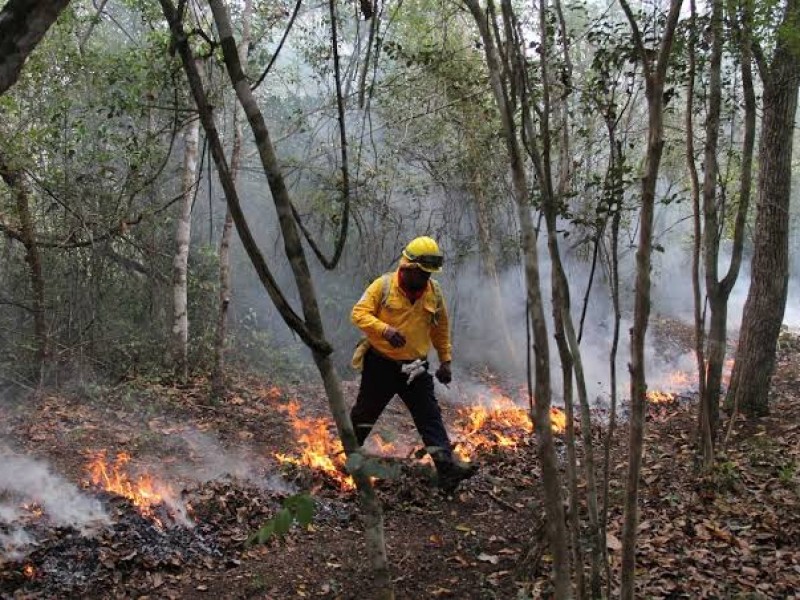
365, 312
440, 335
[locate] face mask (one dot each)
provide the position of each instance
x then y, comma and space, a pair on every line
414, 279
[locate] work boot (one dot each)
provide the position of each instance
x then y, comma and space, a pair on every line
453, 472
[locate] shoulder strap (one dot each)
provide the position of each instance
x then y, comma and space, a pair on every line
387, 286
437, 293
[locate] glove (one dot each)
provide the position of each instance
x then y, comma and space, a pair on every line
414, 369
444, 374
394, 337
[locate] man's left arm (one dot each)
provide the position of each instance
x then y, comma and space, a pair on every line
440, 338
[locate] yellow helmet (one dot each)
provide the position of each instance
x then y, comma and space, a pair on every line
424, 252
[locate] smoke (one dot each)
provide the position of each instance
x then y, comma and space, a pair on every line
212, 461
24, 480
62, 501
14, 544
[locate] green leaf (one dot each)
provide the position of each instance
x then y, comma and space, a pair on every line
262, 535
304, 511
283, 521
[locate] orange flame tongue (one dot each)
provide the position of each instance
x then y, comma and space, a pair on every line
499, 424
319, 450
112, 477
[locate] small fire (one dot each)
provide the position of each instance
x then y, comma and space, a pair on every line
659, 397
29, 571
34, 509
681, 381
319, 449
491, 423
498, 425
143, 492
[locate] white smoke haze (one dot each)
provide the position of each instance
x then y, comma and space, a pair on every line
33, 481
481, 337
24, 480
9, 513
212, 461
14, 545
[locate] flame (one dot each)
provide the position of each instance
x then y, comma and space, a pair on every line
319, 450
144, 492
34, 509
498, 424
680, 381
659, 397
29, 571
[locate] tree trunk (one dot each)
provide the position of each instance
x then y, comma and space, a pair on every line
655, 76
766, 298
554, 509
23, 24
612, 369
15, 179
311, 329
180, 262
220, 337
704, 431
709, 402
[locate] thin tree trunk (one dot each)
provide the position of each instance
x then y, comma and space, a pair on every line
311, 330
15, 179
569, 348
704, 431
655, 76
766, 298
220, 337
709, 401
180, 262
552, 486
612, 368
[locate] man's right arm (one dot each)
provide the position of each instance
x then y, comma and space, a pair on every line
365, 312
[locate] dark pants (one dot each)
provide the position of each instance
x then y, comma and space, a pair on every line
380, 381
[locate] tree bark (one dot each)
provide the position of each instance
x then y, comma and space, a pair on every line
23, 24
220, 336
311, 330
180, 262
655, 75
566, 338
15, 179
766, 298
556, 529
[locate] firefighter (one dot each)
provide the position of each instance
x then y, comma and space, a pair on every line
402, 314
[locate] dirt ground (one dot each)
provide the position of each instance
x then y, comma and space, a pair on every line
730, 533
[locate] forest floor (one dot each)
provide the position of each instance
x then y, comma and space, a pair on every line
730, 533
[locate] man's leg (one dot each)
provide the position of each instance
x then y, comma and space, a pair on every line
378, 385
420, 399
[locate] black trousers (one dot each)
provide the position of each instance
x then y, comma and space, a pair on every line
381, 379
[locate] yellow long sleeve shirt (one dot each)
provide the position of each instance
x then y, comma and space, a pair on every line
418, 322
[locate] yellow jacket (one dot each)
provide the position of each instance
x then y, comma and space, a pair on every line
423, 323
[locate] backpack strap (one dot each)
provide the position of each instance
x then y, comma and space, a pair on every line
387, 286
437, 293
